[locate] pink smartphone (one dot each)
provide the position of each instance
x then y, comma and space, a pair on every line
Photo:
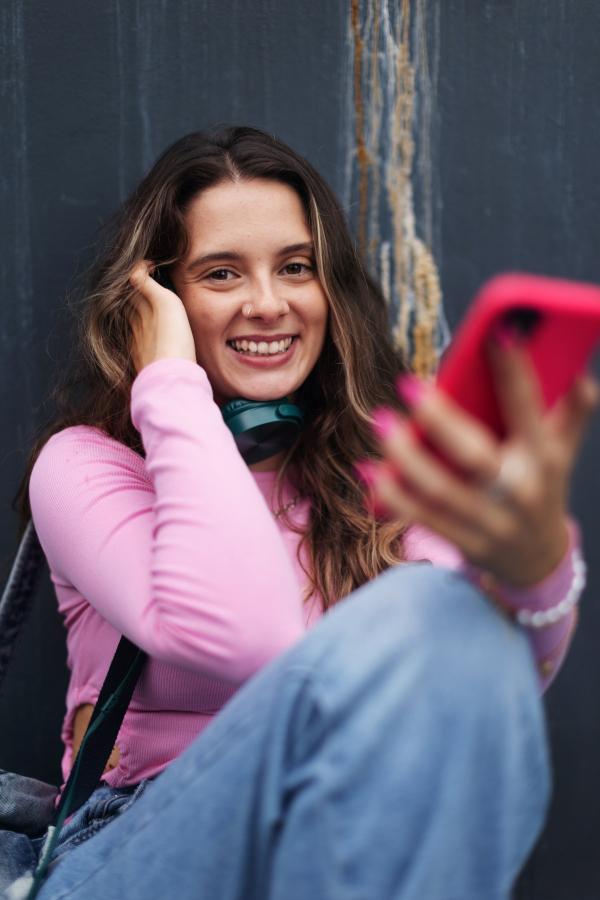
557, 321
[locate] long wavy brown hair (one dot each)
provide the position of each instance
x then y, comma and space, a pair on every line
345, 544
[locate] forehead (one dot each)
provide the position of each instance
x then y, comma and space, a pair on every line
247, 212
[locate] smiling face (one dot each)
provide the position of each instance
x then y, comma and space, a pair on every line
250, 251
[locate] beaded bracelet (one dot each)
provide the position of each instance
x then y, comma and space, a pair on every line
541, 618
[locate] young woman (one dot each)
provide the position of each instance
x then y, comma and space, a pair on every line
397, 749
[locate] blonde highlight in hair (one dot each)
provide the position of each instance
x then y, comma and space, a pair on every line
344, 545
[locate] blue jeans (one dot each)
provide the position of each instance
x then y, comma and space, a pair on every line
20, 853
398, 751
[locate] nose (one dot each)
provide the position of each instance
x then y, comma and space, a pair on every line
265, 300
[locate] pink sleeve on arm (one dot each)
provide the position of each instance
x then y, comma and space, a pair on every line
182, 555
549, 643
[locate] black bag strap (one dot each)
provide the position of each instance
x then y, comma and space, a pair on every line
17, 599
95, 748
111, 707
16, 604
15, 610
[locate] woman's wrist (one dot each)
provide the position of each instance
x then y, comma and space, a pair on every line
174, 364
169, 391
548, 601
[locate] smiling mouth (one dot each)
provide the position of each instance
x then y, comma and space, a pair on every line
262, 348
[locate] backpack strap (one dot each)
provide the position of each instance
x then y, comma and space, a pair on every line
16, 604
95, 748
102, 731
17, 599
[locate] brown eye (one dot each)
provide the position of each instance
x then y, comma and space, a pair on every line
296, 268
220, 274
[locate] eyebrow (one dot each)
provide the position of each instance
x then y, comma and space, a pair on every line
229, 254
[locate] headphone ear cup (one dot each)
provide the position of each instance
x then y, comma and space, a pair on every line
262, 429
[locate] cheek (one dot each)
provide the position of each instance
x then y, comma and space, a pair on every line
206, 322
319, 316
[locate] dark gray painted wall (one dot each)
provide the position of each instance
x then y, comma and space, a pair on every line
519, 175
92, 92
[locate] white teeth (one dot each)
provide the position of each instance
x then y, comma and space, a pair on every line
262, 348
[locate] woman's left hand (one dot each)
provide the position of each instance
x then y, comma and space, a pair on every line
507, 509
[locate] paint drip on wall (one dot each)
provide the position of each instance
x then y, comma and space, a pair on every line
390, 75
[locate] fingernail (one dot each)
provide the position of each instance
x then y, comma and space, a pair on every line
504, 335
411, 389
366, 471
383, 421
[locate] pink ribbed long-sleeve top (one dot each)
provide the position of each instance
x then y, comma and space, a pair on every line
182, 554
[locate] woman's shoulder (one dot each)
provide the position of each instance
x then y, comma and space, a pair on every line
88, 440
85, 448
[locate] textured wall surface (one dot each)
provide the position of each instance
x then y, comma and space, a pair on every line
519, 188
505, 174
91, 94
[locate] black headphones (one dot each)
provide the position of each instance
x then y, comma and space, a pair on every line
261, 428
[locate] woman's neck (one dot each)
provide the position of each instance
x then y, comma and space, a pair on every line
269, 465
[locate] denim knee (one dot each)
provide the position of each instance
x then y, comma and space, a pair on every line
428, 727
435, 631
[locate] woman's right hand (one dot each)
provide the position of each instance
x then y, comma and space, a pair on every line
507, 511
158, 319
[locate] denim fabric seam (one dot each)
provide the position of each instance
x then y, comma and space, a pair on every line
100, 818
85, 835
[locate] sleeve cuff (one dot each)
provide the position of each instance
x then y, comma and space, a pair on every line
546, 602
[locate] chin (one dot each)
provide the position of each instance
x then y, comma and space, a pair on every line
260, 395
273, 391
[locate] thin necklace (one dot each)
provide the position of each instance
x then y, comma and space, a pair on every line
287, 507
